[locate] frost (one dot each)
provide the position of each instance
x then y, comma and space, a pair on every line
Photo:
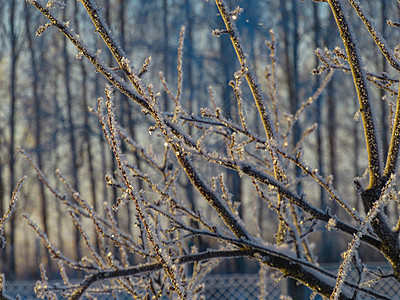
331, 224
357, 115
79, 55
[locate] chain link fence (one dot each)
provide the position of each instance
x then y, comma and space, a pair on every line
247, 286
220, 286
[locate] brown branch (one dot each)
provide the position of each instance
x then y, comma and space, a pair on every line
390, 244
255, 90
155, 267
115, 49
290, 266
362, 92
228, 216
92, 57
304, 205
11, 206
115, 146
393, 154
260, 176
378, 39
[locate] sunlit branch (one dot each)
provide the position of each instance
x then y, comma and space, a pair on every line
393, 154
234, 35
137, 270
362, 92
92, 57
118, 53
378, 38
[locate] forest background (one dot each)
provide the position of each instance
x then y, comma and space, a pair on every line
46, 89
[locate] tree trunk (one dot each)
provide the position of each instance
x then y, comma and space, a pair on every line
71, 135
295, 290
38, 129
229, 67
13, 108
190, 86
87, 132
166, 64
329, 252
318, 104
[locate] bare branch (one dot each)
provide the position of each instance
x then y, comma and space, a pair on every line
362, 92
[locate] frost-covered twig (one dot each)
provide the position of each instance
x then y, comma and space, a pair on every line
315, 96
355, 242
378, 38
283, 259
92, 57
115, 146
270, 75
103, 30
383, 81
2, 288
84, 209
393, 154
153, 267
10, 211
257, 95
322, 182
3, 219
55, 253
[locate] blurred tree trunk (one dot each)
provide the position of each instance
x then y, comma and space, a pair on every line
331, 108
190, 57
71, 133
38, 126
329, 252
165, 62
102, 142
2, 202
110, 62
229, 67
188, 63
3, 145
290, 53
87, 130
291, 40
384, 116
125, 106
12, 124
55, 142
228, 60
318, 104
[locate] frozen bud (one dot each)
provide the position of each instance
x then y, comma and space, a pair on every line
331, 224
